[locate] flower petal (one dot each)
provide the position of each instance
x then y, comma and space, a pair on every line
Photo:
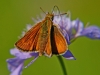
18, 70
15, 65
92, 32
77, 25
28, 27
22, 55
69, 55
35, 54
67, 37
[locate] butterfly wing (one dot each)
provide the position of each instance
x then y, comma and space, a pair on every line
48, 50
58, 42
29, 41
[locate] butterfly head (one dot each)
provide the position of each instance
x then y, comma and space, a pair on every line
49, 16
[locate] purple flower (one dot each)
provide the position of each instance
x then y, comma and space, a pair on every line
70, 30
92, 32
15, 65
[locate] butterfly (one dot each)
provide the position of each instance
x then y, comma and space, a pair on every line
44, 37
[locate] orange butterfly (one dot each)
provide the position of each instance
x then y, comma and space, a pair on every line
44, 38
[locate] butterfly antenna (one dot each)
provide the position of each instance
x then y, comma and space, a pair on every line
42, 10
54, 8
58, 11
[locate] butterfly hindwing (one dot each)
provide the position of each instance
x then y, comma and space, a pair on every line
58, 42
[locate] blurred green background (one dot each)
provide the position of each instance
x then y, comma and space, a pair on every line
15, 14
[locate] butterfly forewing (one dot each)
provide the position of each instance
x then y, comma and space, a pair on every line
29, 40
58, 42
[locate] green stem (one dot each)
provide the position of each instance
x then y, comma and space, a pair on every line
62, 65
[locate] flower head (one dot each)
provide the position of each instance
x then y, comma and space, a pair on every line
70, 30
